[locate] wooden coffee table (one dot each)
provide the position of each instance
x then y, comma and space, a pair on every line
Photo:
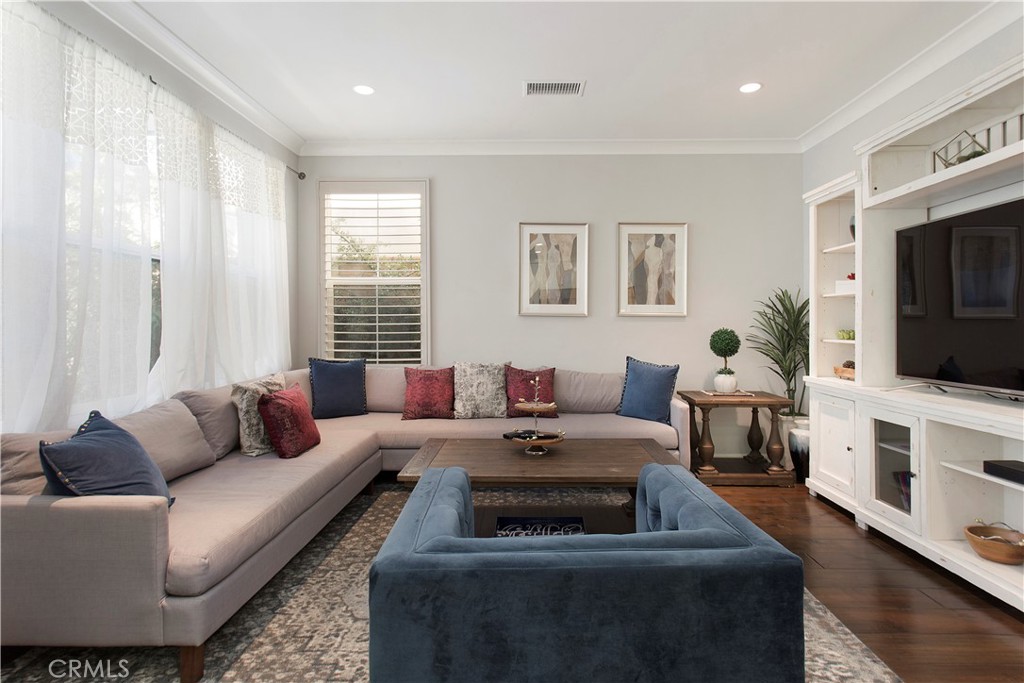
573, 462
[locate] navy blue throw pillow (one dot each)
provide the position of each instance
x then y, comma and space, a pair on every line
647, 391
101, 459
339, 387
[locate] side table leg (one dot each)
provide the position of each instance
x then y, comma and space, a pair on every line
755, 439
694, 440
706, 448
775, 448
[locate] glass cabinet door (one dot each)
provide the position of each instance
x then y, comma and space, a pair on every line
891, 486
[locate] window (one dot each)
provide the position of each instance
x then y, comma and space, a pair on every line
375, 284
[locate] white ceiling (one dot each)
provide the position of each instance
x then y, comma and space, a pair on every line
657, 74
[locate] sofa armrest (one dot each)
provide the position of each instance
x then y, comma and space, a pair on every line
679, 417
83, 571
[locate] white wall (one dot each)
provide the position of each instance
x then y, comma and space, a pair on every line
745, 238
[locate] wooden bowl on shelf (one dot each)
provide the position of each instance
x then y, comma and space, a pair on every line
996, 543
844, 373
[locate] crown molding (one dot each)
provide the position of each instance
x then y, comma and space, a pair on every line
993, 18
354, 148
134, 20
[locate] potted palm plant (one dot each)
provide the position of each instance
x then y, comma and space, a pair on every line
725, 343
782, 335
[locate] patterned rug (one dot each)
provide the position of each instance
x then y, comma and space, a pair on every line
311, 621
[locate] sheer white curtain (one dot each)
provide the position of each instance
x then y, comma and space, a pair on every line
105, 176
76, 226
224, 269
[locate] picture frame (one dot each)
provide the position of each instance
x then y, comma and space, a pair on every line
652, 269
986, 271
910, 273
553, 268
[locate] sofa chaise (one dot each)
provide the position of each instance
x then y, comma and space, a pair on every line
698, 593
127, 570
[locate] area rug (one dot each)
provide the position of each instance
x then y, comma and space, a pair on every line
311, 621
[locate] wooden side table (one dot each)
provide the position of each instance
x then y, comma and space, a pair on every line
751, 469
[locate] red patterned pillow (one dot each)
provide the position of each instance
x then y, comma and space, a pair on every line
429, 393
517, 386
289, 421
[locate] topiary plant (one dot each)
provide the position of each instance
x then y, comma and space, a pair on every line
724, 344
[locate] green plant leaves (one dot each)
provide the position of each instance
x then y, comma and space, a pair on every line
782, 335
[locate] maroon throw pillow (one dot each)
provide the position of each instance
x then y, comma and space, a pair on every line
518, 387
429, 393
289, 421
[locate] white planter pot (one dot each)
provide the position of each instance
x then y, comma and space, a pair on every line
725, 384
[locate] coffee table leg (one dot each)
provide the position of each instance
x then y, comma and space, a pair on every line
775, 448
755, 439
706, 448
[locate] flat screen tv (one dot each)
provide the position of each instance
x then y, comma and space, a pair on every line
959, 294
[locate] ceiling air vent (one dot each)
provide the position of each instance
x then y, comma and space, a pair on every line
571, 88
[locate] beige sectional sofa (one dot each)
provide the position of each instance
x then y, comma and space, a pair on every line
128, 570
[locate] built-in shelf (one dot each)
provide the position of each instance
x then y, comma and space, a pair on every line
848, 248
851, 342
897, 446
976, 468
841, 295
998, 168
1011, 575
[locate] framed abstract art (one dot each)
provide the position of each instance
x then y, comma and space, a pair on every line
553, 268
652, 269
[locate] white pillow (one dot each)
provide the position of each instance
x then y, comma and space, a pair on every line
480, 390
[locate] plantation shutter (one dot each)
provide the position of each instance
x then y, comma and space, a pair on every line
374, 247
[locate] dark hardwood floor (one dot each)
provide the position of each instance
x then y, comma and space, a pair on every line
926, 624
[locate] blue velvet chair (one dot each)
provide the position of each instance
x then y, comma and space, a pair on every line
699, 593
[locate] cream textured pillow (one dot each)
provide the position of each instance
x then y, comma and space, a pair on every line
480, 390
246, 396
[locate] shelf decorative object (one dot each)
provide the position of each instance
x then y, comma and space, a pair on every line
961, 148
996, 543
725, 343
536, 439
845, 371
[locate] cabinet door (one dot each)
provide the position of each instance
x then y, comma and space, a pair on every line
832, 443
889, 484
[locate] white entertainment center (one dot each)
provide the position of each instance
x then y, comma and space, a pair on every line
907, 460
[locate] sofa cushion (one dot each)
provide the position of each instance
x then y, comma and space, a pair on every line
101, 459
385, 388
252, 435
300, 377
288, 421
171, 435
21, 473
339, 387
224, 514
429, 393
648, 389
479, 390
216, 414
588, 392
519, 387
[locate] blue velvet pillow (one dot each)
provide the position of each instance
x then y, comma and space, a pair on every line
101, 459
339, 387
647, 391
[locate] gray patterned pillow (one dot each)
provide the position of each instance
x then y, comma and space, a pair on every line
246, 396
480, 390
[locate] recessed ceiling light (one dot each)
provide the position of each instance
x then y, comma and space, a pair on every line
750, 87
363, 89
